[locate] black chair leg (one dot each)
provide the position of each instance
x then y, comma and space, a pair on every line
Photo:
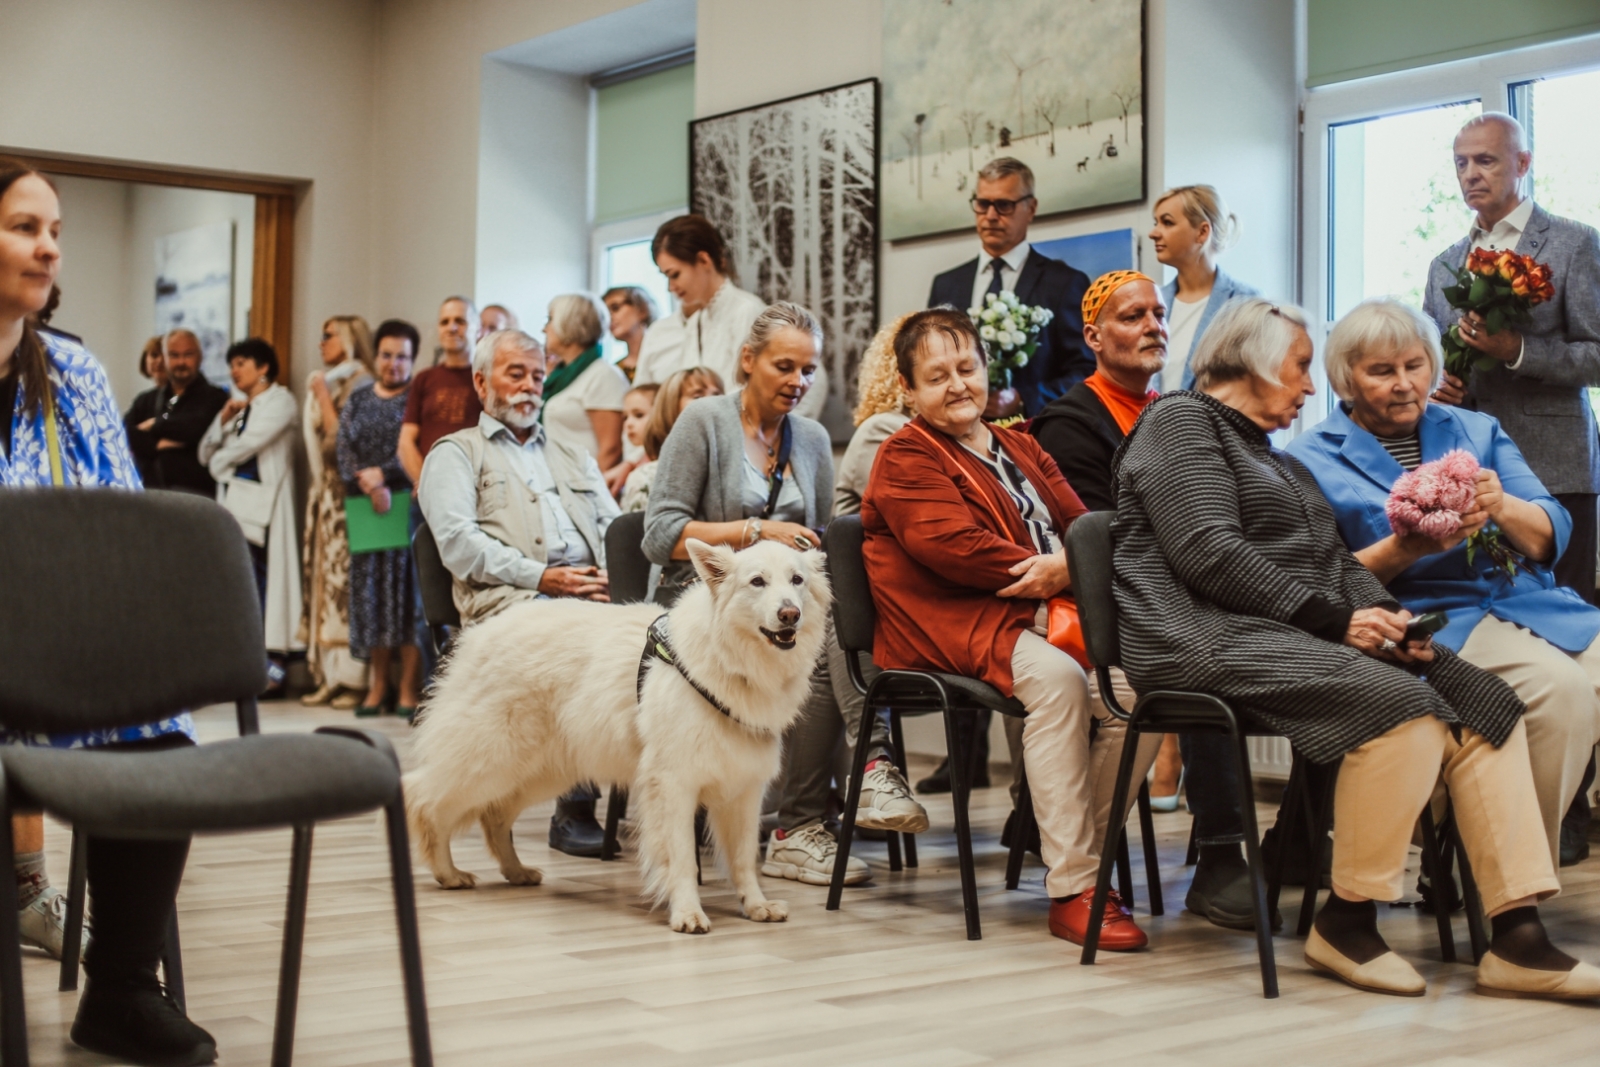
1124, 865
897, 738
1021, 829
847, 818
294, 933
249, 720
172, 963
958, 739
616, 807
1288, 815
77, 897
1191, 855
1472, 900
1430, 868
1318, 819
1258, 886
1102, 883
1152, 860
13, 1018
405, 912
893, 840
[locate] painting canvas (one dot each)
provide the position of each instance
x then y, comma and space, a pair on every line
792, 186
1058, 84
1094, 253
194, 290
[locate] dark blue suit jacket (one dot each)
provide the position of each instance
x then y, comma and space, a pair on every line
1063, 360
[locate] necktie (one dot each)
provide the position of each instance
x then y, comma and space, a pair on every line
997, 265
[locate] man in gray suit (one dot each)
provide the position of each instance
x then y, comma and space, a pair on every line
1537, 390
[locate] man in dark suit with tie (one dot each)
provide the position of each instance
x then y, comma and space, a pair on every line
1004, 205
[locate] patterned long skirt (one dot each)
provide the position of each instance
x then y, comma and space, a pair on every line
383, 601
325, 625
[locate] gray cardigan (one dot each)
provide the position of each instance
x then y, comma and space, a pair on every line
701, 473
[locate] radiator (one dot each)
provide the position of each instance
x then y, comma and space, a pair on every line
1270, 757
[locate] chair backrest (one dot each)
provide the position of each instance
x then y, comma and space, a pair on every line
1089, 556
121, 608
626, 563
438, 596
855, 616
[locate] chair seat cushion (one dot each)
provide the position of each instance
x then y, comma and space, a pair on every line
914, 691
254, 782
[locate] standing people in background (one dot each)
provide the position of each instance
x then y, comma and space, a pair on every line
252, 441
152, 365
882, 408
684, 387
442, 399
184, 410
495, 317
325, 627
124, 1011
1192, 227
582, 392
1004, 205
632, 312
383, 590
636, 409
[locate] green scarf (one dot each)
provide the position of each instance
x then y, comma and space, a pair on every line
565, 375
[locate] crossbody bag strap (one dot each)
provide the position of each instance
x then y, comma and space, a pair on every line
785, 446
52, 433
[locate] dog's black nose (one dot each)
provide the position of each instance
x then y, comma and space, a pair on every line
789, 615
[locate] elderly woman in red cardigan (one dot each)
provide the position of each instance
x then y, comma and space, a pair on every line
964, 543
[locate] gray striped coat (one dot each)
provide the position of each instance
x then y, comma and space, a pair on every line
1221, 540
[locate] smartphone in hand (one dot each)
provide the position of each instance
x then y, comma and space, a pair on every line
1424, 626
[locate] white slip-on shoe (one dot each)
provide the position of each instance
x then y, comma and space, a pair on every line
807, 855
1386, 974
887, 803
1498, 978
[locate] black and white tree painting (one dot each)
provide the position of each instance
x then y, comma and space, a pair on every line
793, 188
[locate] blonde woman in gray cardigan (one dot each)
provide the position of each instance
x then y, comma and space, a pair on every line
881, 410
715, 483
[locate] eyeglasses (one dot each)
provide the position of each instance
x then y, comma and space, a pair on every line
1003, 208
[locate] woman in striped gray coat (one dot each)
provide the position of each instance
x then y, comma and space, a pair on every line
1231, 579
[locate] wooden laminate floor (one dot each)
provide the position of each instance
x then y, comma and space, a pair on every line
577, 971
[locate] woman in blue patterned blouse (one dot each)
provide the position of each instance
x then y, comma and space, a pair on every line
45, 379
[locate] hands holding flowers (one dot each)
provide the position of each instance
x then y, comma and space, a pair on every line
1497, 291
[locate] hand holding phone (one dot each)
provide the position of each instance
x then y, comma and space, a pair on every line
1424, 626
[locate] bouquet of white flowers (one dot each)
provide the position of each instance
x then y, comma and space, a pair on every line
1010, 331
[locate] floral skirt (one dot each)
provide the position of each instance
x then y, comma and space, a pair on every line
383, 601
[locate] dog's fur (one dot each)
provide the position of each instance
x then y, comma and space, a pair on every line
542, 697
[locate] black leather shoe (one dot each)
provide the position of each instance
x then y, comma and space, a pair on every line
938, 781
1221, 893
1032, 844
573, 829
1574, 844
137, 1022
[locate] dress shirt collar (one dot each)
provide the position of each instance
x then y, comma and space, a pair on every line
1508, 230
1012, 259
493, 428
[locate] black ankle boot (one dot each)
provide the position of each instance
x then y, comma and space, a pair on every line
1222, 891
573, 829
137, 1022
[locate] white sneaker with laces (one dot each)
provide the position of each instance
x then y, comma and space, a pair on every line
44, 922
807, 855
887, 803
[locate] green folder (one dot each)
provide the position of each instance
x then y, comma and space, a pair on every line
370, 532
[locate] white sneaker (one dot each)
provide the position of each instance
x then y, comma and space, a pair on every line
887, 803
807, 855
44, 922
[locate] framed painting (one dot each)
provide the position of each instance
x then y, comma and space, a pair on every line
792, 186
1058, 84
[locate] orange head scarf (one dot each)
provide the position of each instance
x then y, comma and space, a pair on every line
1102, 288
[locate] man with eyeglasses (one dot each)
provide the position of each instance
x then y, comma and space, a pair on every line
1003, 206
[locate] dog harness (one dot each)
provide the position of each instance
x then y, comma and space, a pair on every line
657, 645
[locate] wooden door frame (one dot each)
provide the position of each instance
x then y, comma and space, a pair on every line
272, 283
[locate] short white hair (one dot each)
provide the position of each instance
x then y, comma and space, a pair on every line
579, 318
1380, 325
1249, 338
1515, 133
483, 355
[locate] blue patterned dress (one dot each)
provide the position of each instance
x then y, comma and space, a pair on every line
383, 591
94, 452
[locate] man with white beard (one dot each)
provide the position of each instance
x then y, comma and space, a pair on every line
519, 516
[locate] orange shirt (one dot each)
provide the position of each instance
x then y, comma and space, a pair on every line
1123, 405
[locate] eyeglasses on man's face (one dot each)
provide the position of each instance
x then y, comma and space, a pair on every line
1003, 208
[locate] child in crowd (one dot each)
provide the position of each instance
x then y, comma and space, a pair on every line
636, 408
675, 394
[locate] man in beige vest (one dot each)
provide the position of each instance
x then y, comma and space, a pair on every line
518, 516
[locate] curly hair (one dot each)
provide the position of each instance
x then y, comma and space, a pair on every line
878, 380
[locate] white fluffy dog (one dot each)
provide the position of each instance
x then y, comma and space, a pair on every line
543, 696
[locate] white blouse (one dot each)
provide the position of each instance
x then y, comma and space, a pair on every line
600, 387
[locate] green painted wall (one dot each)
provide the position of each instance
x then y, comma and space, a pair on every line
1356, 38
641, 158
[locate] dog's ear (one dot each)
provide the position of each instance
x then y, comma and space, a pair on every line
712, 562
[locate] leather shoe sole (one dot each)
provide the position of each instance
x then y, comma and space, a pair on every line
1498, 978
1387, 974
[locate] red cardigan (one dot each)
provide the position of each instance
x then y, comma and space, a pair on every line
940, 537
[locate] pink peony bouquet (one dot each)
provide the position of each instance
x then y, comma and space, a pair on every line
1432, 499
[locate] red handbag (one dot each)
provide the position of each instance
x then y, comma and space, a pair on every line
1065, 631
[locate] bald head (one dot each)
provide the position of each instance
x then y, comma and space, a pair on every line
1129, 336
1492, 158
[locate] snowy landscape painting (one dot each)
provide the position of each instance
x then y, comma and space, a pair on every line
1058, 84
194, 291
793, 188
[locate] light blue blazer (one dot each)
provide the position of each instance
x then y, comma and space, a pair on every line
1223, 289
1356, 474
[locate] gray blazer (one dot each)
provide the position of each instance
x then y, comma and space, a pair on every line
1542, 403
1223, 289
701, 473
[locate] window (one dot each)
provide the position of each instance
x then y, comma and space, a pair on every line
620, 255
1559, 115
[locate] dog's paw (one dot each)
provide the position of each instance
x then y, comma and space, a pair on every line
524, 876
457, 879
768, 911
691, 922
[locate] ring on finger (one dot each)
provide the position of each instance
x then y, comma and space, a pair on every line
803, 543
1388, 645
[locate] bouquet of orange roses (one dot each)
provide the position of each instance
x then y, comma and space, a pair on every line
1504, 288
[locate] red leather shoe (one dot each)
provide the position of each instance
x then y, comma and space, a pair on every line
1118, 932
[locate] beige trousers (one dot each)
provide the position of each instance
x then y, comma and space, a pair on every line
1562, 692
1384, 784
1071, 779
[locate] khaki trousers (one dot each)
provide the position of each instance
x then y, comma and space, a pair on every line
1071, 779
1384, 784
1562, 692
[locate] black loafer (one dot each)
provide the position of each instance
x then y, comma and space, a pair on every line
573, 830
139, 1023
1574, 844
